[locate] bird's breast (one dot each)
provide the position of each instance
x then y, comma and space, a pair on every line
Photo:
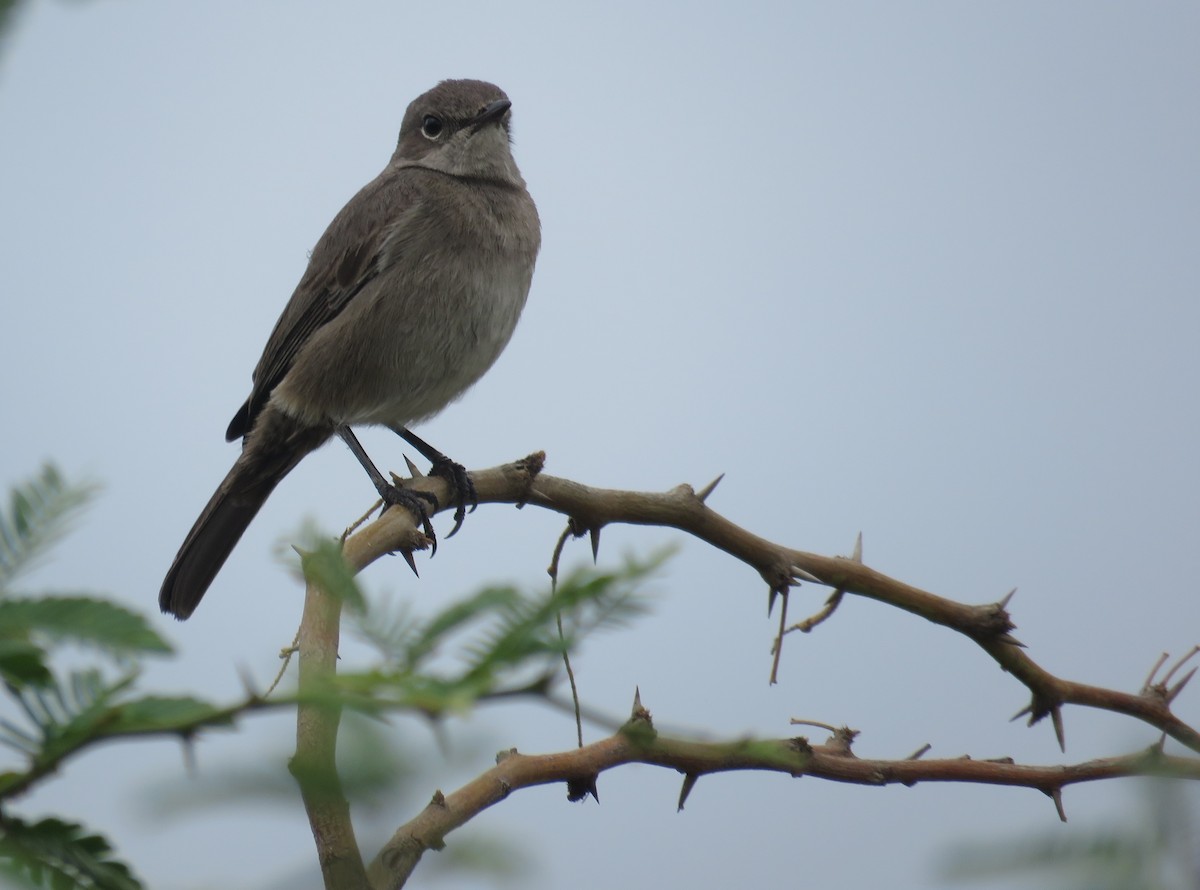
443, 305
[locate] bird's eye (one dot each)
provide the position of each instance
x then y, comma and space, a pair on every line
431, 126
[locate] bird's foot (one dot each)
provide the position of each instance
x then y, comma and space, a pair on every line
415, 502
464, 489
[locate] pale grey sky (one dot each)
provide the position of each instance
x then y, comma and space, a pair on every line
925, 270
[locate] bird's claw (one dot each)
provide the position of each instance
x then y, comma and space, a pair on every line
464, 489
414, 502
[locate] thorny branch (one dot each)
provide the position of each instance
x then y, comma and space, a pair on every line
638, 742
588, 510
988, 625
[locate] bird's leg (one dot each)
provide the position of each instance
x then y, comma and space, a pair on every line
452, 471
392, 495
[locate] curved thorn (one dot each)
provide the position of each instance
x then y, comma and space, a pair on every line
1056, 794
689, 782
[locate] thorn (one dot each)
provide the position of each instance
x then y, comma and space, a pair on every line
920, 752
1056, 719
1180, 663
798, 574
1010, 639
703, 494
1028, 709
438, 799
413, 470
594, 536
1178, 687
1004, 601
637, 703
777, 646
247, 681
771, 597
1056, 795
689, 782
411, 560
857, 554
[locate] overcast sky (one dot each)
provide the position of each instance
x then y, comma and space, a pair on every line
929, 271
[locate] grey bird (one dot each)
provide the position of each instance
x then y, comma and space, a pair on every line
409, 297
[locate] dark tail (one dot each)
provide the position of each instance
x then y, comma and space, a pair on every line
272, 450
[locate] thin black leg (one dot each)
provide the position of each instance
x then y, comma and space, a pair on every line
452, 471
414, 501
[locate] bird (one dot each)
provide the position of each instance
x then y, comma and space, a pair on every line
409, 297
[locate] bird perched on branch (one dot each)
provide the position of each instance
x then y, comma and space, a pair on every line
409, 297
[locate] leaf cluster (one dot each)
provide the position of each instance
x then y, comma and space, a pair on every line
56, 712
500, 641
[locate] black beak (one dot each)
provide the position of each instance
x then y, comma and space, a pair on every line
493, 112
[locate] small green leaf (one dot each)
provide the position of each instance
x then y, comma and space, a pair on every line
39, 513
84, 620
153, 713
23, 664
510, 642
61, 854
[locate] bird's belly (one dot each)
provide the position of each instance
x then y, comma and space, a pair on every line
402, 366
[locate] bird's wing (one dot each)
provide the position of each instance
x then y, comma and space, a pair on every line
347, 258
